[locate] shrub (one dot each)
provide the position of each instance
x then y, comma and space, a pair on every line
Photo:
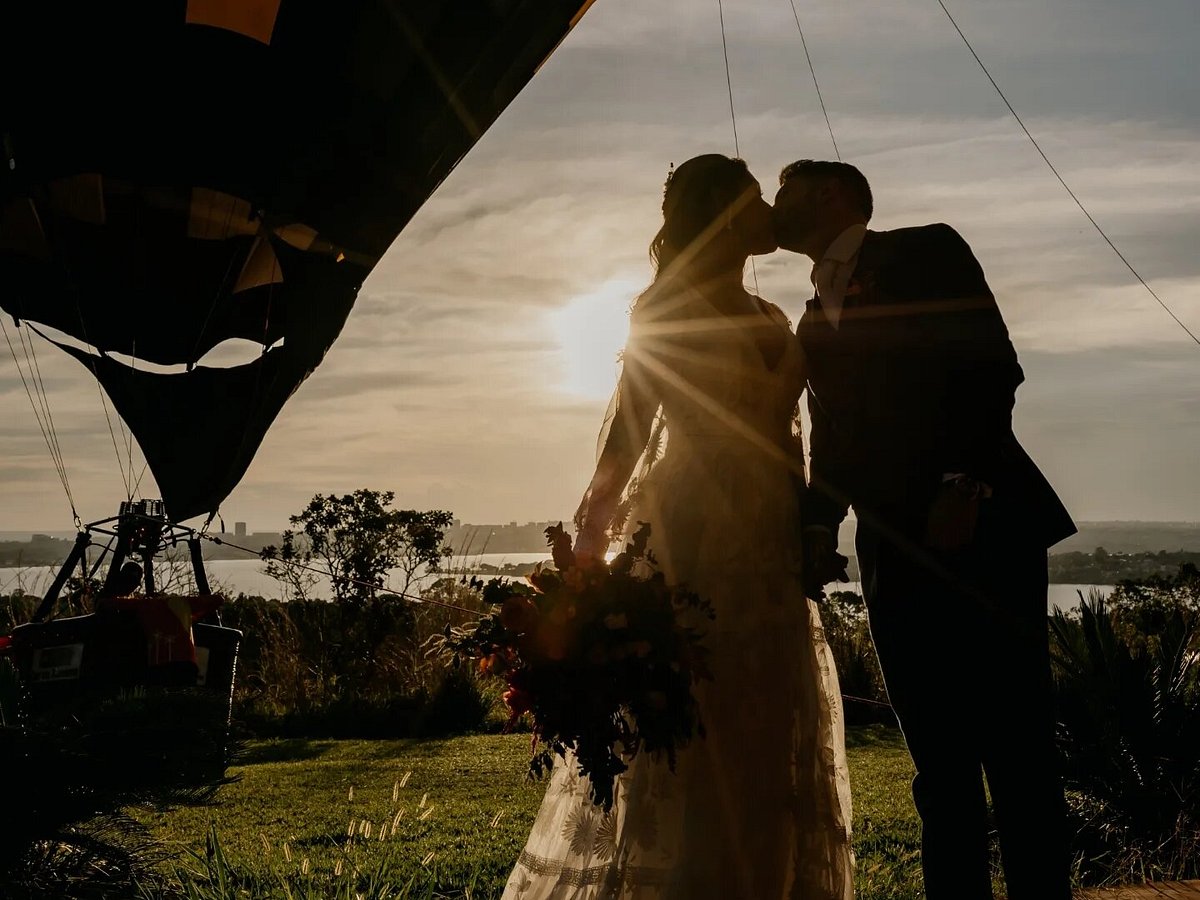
844, 618
314, 668
1127, 677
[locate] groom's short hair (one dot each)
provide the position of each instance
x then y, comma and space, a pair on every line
845, 174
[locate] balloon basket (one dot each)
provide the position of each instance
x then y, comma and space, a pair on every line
88, 674
59, 672
64, 662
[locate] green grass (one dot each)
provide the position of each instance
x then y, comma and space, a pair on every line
887, 832
465, 810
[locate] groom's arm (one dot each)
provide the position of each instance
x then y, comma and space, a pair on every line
823, 506
825, 503
978, 365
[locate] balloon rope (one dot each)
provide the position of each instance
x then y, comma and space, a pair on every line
414, 598
31, 362
816, 84
44, 425
1062, 181
220, 287
104, 401
129, 436
737, 150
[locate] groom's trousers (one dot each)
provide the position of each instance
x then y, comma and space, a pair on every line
963, 644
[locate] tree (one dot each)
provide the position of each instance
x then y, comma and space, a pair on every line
355, 540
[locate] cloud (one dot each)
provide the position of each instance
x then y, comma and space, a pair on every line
1115, 429
447, 383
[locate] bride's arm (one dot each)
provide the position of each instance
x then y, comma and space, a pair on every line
628, 423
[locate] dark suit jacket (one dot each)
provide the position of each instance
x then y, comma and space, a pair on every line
919, 380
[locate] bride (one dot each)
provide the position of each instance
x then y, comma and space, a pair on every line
758, 809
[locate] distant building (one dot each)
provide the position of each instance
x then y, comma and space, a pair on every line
239, 528
512, 537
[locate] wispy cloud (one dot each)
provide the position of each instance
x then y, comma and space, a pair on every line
451, 382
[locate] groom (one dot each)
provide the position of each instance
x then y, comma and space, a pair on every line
911, 388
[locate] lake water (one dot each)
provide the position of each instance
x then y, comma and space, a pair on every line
246, 576
233, 576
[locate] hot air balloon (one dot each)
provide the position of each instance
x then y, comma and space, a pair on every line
177, 175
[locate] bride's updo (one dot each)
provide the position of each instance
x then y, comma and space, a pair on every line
698, 201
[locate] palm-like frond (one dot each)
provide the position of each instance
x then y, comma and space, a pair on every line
1128, 710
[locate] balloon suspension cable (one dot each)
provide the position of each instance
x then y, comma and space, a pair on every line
100, 559
30, 348
129, 435
1062, 181
816, 84
138, 484
355, 581
256, 392
103, 399
220, 289
40, 404
737, 149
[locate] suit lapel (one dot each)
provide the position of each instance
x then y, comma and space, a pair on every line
863, 288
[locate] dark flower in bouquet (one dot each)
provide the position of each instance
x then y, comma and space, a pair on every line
601, 656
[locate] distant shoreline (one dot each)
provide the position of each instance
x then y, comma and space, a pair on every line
1126, 548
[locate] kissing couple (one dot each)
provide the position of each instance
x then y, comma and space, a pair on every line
910, 379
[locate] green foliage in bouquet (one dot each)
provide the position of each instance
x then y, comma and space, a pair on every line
600, 655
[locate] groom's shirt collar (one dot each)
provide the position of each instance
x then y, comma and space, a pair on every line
831, 276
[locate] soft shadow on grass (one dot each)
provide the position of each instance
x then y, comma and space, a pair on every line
283, 750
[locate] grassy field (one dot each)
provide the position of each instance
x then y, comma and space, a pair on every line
330, 818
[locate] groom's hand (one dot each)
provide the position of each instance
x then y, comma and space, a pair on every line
952, 518
822, 562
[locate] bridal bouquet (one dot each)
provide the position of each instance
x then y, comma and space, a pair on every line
597, 654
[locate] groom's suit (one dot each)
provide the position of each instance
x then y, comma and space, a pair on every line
916, 383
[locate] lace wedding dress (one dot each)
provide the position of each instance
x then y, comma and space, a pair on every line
759, 809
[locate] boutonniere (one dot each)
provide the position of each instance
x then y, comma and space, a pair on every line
860, 282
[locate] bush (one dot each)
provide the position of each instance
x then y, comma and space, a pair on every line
1127, 677
844, 618
319, 669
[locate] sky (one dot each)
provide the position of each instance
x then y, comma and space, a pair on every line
474, 371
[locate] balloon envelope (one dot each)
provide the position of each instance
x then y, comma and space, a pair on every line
177, 174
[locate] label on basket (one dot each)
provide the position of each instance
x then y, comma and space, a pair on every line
59, 663
202, 665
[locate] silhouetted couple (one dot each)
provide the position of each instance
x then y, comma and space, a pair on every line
911, 378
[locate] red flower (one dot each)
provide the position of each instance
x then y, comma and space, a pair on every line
518, 701
553, 640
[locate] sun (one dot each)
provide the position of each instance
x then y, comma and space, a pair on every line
591, 330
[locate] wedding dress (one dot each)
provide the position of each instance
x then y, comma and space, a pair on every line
759, 809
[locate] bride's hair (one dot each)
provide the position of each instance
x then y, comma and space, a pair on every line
698, 199
696, 195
